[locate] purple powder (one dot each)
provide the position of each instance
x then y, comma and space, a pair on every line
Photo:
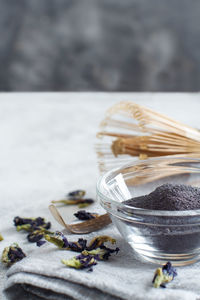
169, 197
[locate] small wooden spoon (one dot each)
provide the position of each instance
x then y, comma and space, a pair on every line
83, 227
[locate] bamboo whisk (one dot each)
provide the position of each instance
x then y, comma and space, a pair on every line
130, 130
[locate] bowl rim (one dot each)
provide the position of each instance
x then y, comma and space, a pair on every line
143, 211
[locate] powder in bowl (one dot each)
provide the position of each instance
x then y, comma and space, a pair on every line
169, 197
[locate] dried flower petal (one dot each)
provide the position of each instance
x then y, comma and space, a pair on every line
72, 263
61, 242
101, 253
89, 258
167, 268
54, 240
85, 203
89, 254
12, 254
35, 236
67, 201
79, 202
58, 239
164, 275
76, 194
40, 243
31, 224
26, 227
84, 215
80, 262
37, 228
61, 236
99, 241
74, 197
1, 237
22, 221
78, 246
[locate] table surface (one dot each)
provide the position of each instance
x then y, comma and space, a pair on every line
47, 143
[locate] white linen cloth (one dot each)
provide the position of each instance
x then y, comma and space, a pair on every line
42, 275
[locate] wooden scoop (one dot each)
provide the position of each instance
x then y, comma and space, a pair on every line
83, 227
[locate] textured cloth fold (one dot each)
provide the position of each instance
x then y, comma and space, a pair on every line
41, 275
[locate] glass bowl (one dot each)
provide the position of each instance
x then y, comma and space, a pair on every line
156, 236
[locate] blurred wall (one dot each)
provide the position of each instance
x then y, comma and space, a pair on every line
112, 45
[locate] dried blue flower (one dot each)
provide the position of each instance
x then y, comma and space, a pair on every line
102, 253
78, 246
76, 194
35, 236
72, 263
37, 228
84, 215
12, 254
46, 225
40, 243
21, 221
31, 224
167, 268
61, 242
61, 237
99, 241
87, 259
85, 203
79, 202
38, 234
90, 254
26, 227
56, 240
80, 262
75, 198
164, 275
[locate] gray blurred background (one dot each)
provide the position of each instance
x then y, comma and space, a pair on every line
95, 45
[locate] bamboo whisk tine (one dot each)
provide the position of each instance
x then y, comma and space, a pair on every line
130, 130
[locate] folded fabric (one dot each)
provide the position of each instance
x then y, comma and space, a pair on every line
42, 276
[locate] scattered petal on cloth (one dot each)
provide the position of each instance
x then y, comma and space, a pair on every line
85, 215
164, 275
43, 273
12, 254
76, 194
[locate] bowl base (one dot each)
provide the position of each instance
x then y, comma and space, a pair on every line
177, 260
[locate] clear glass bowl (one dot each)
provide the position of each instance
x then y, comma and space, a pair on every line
156, 236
